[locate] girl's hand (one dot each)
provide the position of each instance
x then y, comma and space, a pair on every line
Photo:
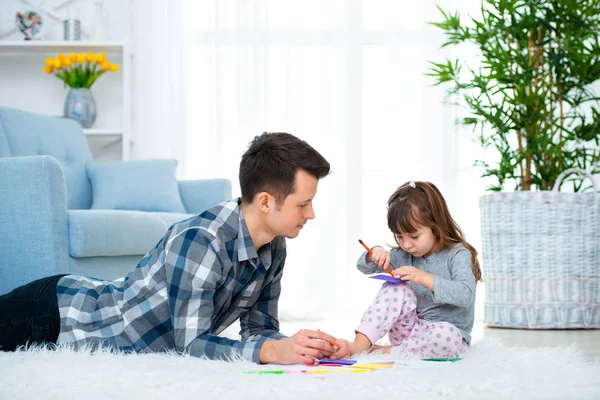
379, 257
415, 275
344, 349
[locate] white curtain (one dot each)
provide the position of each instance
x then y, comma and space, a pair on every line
348, 77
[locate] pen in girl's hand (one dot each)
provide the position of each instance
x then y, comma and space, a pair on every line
371, 253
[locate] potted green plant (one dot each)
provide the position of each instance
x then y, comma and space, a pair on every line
529, 96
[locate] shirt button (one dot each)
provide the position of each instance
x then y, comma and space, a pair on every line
243, 281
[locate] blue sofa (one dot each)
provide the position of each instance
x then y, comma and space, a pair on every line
47, 225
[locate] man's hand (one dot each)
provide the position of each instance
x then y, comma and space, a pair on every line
298, 349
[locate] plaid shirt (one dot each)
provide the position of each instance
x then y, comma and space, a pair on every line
201, 277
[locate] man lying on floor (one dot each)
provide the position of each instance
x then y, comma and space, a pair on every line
206, 272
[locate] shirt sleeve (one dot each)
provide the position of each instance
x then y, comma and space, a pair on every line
460, 289
193, 271
261, 322
373, 268
365, 267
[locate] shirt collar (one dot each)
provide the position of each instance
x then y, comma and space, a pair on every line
245, 247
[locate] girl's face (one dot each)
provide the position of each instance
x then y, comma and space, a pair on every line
421, 243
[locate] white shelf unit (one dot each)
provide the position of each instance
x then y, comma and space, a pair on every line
32, 54
55, 46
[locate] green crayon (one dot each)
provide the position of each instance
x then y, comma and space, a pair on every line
267, 372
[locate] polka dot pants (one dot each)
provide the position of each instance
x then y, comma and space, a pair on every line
394, 312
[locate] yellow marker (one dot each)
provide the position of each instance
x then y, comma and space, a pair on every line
372, 366
358, 370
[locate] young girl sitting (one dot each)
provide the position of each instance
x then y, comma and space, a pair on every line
430, 311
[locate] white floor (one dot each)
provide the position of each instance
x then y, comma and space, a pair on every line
586, 340
491, 371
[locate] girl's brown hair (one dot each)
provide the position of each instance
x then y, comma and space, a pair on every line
423, 205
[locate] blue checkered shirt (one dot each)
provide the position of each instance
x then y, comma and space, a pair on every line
201, 277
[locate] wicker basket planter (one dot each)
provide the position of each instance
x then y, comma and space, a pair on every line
541, 259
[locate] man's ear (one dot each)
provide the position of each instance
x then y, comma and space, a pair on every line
264, 201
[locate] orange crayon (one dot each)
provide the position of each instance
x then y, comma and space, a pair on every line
371, 253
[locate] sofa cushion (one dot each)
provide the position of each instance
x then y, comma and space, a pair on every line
94, 233
146, 185
28, 134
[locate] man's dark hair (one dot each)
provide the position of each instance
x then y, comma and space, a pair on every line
271, 162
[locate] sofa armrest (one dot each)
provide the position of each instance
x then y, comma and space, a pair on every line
200, 195
33, 220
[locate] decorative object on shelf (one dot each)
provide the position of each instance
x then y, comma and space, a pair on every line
72, 26
29, 23
81, 106
79, 72
72, 29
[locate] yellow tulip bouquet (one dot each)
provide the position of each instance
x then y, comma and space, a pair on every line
79, 70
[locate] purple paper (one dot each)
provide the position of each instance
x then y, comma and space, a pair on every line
339, 362
387, 278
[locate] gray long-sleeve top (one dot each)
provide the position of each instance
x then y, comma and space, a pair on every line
453, 298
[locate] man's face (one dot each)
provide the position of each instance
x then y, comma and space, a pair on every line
287, 219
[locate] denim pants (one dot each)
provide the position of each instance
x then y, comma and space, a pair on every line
29, 315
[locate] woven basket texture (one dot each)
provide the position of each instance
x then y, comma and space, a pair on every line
541, 259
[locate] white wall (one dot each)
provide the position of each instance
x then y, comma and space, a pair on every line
157, 79
153, 29
375, 117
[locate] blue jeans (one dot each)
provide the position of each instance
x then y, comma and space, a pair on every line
29, 315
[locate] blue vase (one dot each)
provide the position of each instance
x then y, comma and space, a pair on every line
81, 106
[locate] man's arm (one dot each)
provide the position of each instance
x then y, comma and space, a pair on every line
193, 272
261, 323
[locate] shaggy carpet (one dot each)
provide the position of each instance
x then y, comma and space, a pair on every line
490, 371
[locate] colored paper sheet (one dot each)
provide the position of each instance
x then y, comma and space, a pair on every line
387, 278
327, 371
327, 361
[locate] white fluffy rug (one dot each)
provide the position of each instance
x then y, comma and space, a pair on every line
489, 371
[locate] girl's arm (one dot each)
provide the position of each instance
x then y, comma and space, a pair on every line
366, 266
376, 262
460, 290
